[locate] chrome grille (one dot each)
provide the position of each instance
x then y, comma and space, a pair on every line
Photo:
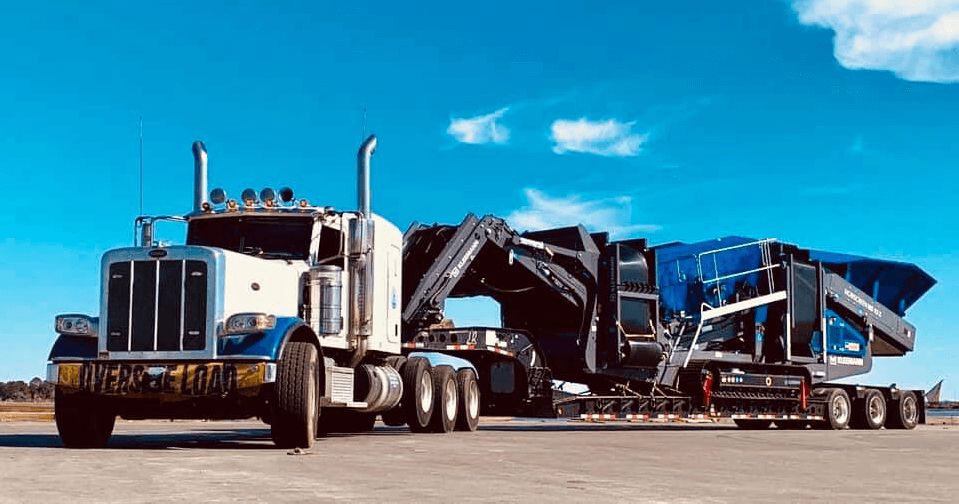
156, 306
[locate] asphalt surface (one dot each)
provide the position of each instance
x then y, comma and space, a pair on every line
506, 460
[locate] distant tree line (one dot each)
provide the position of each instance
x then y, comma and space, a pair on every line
36, 390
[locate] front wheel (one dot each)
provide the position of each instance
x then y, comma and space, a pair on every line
83, 422
297, 411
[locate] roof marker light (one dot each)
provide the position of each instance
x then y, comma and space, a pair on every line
231, 205
268, 197
248, 197
218, 196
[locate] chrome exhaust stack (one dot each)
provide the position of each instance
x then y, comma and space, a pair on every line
367, 148
361, 256
199, 176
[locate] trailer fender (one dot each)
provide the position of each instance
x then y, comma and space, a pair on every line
268, 344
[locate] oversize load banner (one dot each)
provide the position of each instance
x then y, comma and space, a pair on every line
215, 379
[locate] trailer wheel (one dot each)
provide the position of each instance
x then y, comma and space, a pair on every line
297, 410
418, 394
838, 410
870, 411
83, 422
749, 424
445, 404
904, 413
467, 419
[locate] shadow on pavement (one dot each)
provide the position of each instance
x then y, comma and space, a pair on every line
259, 439
596, 426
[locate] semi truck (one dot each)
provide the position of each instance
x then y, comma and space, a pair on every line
317, 320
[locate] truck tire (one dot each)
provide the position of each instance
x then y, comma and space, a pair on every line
904, 412
297, 405
750, 424
418, 393
83, 422
467, 419
445, 405
838, 410
870, 411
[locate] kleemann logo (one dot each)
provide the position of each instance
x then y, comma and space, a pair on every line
846, 361
459, 266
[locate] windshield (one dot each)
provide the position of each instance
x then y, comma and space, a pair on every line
282, 237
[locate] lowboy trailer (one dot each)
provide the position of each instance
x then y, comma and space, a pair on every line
317, 320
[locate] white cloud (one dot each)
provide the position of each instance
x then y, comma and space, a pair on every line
480, 130
609, 138
918, 40
544, 212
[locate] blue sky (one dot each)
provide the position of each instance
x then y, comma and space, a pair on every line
828, 124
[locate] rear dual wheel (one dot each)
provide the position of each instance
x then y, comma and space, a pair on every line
445, 405
467, 418
418, 389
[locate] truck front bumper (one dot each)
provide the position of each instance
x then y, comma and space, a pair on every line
170, 380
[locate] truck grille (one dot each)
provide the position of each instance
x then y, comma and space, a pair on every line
157, 306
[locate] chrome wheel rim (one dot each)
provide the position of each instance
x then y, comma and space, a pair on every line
472, 400
877, 409
909, 411
426, 391
840, 409
449, 402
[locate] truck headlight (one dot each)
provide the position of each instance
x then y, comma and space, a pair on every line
249, 323
77, 325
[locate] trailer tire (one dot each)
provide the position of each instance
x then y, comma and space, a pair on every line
445, 403
297, 406
904, 413
838, 410
750, 424
870, 411
83, 422
417, 394
467, 419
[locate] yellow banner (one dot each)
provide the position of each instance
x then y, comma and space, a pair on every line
210, 379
